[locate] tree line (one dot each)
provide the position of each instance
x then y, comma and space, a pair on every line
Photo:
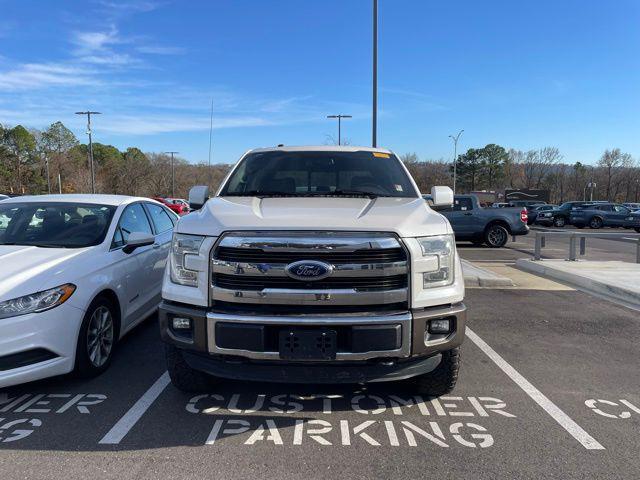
53, 160
615, 177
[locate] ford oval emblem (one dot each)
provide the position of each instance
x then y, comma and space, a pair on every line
308, 270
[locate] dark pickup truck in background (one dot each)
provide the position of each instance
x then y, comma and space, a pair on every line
491, 226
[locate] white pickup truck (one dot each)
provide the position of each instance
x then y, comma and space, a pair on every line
314, 265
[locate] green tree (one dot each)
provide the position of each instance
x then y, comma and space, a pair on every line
56, 143
22, 147
109, 165
135, 171
493, 161
469, 169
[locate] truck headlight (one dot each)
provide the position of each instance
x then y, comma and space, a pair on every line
440, 250
181, 247
36, 302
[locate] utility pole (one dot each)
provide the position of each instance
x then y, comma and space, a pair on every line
374, 115
339, 117
455, 158
173, 175
46, 163
91, 167
210, 131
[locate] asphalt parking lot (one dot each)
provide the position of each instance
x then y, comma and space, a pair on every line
549, 388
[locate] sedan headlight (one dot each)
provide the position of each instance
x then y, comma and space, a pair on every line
181, 247
441, 250
36, 302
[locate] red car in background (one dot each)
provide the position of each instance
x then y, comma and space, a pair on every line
179, 208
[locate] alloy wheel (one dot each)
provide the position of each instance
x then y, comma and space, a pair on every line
100, 336
497, 236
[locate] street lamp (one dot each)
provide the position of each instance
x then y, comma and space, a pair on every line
339, 117
93, 176
455, 158
374, 113
173, 175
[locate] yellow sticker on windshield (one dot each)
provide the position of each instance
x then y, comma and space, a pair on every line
381, 155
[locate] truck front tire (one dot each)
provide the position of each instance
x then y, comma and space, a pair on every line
442, 380
183, 377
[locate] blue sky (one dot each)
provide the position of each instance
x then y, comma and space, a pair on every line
522, 74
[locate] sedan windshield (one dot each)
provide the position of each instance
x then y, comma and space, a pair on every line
278, 173
53, 224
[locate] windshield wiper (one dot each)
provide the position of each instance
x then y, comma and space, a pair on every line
260, 193
355, 193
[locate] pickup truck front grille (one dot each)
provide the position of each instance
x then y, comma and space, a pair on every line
336, 257
360, 284
367, 269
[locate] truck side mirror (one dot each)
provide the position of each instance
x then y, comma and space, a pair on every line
198, 196
442, 196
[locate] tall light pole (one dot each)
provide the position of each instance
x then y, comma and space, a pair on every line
374, 113
455, 158
88, 113
173, 175
339, 117
210, 131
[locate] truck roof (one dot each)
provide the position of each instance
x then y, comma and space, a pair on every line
320, 148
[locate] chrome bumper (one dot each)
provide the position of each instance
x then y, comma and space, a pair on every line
402, 319
416, 340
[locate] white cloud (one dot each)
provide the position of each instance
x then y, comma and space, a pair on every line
39, 75
160, 50
91, 41
132, 6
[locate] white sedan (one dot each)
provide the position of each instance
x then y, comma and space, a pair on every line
77, 272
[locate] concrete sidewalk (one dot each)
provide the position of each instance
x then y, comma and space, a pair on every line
614, 280
475, 276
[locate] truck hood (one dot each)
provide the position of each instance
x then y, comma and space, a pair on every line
27, 269
407, 217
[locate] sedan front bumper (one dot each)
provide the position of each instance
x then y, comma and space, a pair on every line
38, 345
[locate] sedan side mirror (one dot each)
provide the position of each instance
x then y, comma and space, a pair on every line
198, 196
442, 196
137, 240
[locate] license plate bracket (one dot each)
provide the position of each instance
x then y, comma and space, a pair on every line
314, 344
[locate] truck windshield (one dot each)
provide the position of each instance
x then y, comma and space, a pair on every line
54, 224
279, 173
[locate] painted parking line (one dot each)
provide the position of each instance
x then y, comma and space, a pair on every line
135, 413
575, 430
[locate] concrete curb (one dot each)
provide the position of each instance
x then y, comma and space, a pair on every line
475, 276
616, 293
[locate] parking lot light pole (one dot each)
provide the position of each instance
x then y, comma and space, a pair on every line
374, 113
173, 175
88, 113
455, 158
339, 117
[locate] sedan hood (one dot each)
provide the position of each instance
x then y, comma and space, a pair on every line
28, 269
407, 217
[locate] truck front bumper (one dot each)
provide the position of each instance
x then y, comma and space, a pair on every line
371, 347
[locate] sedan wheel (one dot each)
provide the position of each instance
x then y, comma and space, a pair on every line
98, 335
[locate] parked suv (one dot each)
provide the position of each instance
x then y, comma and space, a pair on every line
559, 216
600, 215
314, 265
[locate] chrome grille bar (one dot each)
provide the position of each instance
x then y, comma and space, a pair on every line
259, 261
